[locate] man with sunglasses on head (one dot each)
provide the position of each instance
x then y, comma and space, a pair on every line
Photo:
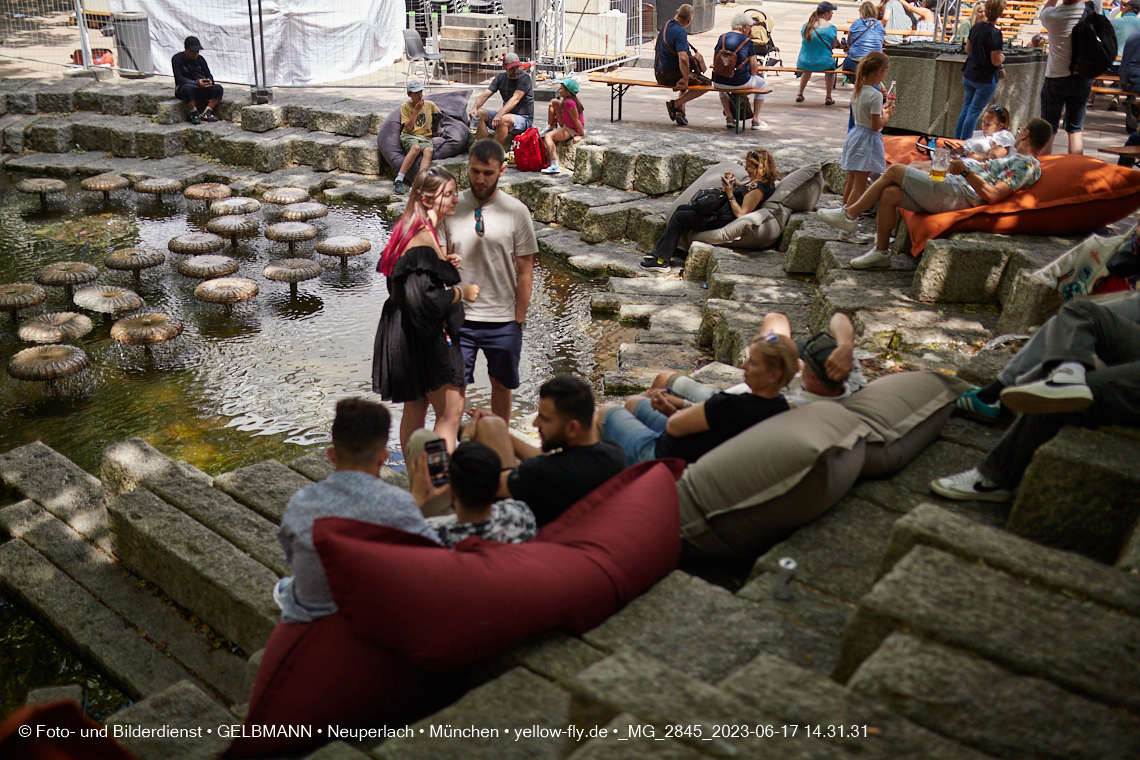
493, 235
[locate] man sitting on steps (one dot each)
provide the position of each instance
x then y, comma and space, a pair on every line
1053, 382
906, 187
194, 84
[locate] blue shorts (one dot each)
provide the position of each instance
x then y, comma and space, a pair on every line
526, 121
636, 433
501, 343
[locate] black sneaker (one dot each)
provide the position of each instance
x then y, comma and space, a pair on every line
208, 115
194, 117
398, 187
654, 263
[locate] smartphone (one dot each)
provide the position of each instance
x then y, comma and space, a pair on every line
437, 461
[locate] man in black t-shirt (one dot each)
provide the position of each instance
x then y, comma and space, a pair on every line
194, 84
517, 91
572, 461
645, 433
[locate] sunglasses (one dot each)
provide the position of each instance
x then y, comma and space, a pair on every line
479, 229
770, 337
998, 110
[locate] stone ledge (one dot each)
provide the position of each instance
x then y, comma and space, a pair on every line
120, 591
265, 487
183, 705
1062, 571
195, 566
992, 709
87, 626
1081, 492
1089, 649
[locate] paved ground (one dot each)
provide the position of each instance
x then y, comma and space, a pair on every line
805, 123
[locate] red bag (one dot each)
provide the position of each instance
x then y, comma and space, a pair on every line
530, 152
101, 56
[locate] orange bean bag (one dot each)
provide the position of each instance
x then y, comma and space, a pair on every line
1075, 196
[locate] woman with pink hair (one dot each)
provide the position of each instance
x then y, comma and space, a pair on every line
417, 361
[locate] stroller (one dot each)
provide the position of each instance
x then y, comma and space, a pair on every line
762, 27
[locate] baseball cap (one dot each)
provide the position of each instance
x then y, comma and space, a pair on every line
814, 351
192, 43
511, 60
414, 86
826, 7
572, 84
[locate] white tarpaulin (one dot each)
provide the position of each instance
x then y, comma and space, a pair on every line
306, 42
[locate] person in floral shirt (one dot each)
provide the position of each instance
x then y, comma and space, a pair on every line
909, 188
473, 473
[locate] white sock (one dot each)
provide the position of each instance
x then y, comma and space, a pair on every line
1068, 372
400, 177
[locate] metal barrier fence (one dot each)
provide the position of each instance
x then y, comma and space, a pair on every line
341, 43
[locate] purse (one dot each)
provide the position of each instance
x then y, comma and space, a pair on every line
849, 63
710, 201
696, 61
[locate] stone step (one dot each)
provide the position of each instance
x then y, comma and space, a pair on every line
682, 317
134, 463
860, 527
265, 487
620, 221
921, 330
1081, 492
315, 465
182, 706
319, 150
793, 225
806, 245
1090, 649
806, 606
797, 696
88, 627
139, 607
752, 289
962, 271
838, 255
604, 259
655, 286
625, 382
266, 152
195, 566
604, 302
649, 232
1070, 573
659, 356
575, 204
664, 696
727, 326
674, 338
990, 708
725, 261
337, 750
53, 481
303, 177
516, 700
719, 375
625, 727
706, 632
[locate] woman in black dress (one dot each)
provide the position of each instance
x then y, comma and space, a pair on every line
417, 360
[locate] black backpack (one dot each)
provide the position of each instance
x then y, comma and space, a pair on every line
1094, 44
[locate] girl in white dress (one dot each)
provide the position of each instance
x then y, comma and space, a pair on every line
863, 152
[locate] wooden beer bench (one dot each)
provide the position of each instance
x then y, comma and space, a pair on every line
620, 84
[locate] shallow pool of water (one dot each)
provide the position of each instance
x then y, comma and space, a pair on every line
240, 387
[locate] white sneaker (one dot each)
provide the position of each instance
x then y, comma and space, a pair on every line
872, 258
552, 169
837, 217
967, 486
756, 125
1048, 396
859, 238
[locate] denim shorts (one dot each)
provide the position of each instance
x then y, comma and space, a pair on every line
636, 433
1069, 93
526, 121
500, 342
923, 195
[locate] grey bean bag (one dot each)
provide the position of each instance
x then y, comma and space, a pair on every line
450, 139
798, 191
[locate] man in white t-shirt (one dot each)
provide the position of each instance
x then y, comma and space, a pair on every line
1063, 90
493, 234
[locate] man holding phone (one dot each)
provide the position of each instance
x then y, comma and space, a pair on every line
194, 84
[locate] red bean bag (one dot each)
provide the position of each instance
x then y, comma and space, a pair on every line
320, 674
1075, 196
446, 609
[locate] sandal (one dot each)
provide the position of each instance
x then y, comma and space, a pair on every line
729, 123
681, 119
672, 109
829, 102
800, 98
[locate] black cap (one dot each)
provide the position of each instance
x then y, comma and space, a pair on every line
814, 351
826, 7
192, 44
